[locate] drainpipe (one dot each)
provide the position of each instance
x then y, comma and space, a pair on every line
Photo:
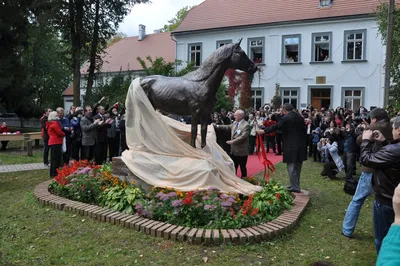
173, 38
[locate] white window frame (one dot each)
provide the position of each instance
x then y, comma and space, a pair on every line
346, 41
290, 96
284, 59
352, 96
325, 3
314, 43
258, 42
254, 96
223, 42
190, 52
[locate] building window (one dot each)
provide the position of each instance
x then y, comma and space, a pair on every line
291, 49
290, 95
352, 98
222, 43
195, 54
325, 3
256, 50
257, 98
354, 45
322, 47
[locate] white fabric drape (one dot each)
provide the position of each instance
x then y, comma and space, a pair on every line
159, 151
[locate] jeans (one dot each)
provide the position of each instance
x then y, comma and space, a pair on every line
294, 170
364, 189
383, 218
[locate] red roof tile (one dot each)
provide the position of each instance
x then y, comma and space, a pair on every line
213, 14
122, 55
68, 91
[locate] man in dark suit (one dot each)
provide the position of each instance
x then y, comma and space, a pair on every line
100, 149
239, 142
294, 138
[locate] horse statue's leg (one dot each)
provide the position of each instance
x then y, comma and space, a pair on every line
195, 122
203, 122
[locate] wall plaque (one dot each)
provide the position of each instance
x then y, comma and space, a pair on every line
320, 80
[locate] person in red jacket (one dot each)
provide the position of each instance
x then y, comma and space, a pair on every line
56, 137
4, 129
270, 138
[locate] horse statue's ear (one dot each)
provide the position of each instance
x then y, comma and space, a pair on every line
238, 44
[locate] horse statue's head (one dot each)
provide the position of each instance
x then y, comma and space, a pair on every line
239, 59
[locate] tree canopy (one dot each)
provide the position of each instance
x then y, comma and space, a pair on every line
175, 21
382, 19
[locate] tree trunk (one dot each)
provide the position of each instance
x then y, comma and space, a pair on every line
76, 31
93, 51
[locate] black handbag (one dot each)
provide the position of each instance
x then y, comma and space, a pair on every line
350, 186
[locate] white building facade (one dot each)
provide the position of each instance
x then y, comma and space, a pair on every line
326, 63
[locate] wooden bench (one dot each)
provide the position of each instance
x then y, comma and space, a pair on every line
26, 138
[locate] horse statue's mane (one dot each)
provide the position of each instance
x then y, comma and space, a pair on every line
211, 63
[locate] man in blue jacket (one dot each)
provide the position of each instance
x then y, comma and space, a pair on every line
67, 129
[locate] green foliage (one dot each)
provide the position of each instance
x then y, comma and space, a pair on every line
222, 100
175, 21
116, 38
83, 188
276, 101
121, 198
115, 90
159, 66
382, 20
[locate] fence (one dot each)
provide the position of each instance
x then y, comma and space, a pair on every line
21, 123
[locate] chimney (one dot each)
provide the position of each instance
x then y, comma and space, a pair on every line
142, 32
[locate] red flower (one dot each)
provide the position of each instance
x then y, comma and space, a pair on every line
255, 211
187, 201
277, 196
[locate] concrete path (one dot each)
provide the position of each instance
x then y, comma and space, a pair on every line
21, 167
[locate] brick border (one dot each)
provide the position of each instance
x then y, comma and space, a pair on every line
255, 234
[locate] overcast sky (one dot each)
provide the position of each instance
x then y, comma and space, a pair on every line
153, 16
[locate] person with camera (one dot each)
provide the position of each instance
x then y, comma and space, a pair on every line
333, 163
380, 122
390, 250
386, 178
89, 136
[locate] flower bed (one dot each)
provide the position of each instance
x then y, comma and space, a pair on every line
209, 209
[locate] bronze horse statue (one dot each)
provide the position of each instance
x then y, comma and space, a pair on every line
195, 93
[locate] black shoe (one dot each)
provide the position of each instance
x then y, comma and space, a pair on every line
288, 187
294, 190
278, 153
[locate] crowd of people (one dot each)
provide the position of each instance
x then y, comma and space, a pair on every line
336, 139
339, 140
89, 133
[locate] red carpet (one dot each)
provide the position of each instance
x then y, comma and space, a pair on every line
254, 166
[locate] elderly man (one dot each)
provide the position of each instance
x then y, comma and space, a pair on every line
239, 142
385, 179
294, 143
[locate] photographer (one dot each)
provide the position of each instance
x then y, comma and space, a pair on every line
333, 162
385, 178
380, 122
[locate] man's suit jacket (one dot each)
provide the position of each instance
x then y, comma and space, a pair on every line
239, 137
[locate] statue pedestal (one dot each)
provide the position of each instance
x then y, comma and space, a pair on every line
120, 169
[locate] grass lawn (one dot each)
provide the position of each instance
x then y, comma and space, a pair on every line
34, 235
14, 154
